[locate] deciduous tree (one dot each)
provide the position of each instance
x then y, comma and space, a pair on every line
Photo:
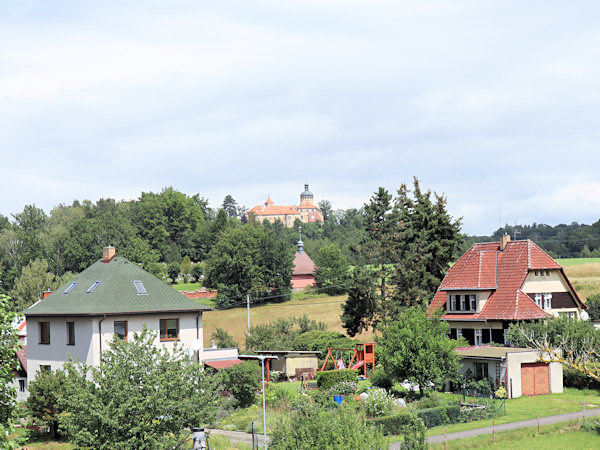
249, 260
417, 348
140, 396
9, 344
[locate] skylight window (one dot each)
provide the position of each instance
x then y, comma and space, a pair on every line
92, 287
139, 287
70, 288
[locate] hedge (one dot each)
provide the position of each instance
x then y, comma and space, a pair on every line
576, 379
440, 415
433, 417
330, 378
406, 424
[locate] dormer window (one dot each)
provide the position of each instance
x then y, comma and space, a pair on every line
467, 302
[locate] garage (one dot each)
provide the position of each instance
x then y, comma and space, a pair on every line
535, 378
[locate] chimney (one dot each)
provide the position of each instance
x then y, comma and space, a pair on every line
46, 294
108, 253
504, 239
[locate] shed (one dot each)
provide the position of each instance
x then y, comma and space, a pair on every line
518, 369
292, 360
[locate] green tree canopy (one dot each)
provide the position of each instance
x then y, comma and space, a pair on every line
140, 396
417, 348
280, 334
332, 270
9, 345
34, 280
249, 260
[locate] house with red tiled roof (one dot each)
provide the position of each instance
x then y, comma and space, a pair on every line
306, 211
495, 284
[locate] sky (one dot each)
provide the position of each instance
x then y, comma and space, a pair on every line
494, 104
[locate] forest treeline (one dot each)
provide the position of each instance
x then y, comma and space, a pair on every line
164, 227
560, 241
40, 250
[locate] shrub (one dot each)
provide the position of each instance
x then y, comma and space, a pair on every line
453, 413
407, 425
312, 429
242, 380
278, 394
576, 379
380, 379
397, 390
500, 392
433, 417
344, 388
329, 378
471, 414
378, 403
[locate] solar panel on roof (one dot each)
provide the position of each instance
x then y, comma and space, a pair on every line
67, 290
139, 286
92, 287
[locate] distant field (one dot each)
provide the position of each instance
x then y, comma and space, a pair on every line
585, 276
568, 262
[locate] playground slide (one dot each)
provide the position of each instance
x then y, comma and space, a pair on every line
357, 365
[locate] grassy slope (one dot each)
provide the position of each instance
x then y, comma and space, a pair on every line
235, 320
585, 276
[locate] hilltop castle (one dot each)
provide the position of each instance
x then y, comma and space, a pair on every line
306, 211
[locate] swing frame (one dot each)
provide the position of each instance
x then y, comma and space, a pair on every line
364, 353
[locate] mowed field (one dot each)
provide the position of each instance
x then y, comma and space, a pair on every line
584, 274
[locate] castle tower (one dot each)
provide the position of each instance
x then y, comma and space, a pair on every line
306, 196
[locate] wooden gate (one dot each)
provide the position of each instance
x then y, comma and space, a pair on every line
535, 378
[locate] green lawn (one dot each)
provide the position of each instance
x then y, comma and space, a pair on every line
190, 287
560, 435
524, 408
567, 262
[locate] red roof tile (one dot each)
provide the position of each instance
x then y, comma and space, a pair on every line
223, 363
303, 265
484, 266
22, 356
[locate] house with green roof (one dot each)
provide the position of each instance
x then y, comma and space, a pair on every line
111, 297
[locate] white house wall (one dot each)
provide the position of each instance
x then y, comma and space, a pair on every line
57, 352
547, 283
87, 340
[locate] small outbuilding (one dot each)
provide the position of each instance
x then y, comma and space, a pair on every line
292, 362
518, 369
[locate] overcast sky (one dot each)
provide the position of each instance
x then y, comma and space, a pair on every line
493, 103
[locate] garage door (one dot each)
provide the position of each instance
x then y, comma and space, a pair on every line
535, 379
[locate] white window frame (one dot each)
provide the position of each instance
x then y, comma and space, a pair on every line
458, 333
473, 302
547, 301
478, 337
463, 306
538, 300
505, 332
452, 302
